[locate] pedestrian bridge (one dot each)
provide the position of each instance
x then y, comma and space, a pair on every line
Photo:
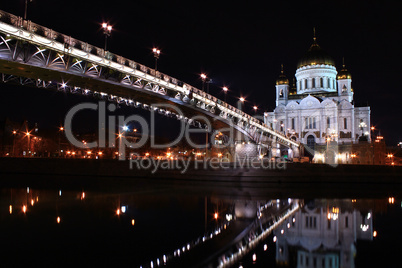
33, 55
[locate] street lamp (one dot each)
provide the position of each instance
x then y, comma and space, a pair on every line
242, 100
203, 78
61, 130
29, 140
255, 108
225, 91
156, 52
107, 30
14, 133
372, 128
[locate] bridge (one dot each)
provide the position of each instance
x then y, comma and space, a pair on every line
33, 55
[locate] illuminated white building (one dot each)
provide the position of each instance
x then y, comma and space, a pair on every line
319, 108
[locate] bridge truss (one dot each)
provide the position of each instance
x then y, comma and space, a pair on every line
34, 55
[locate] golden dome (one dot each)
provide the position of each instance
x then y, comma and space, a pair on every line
315, 56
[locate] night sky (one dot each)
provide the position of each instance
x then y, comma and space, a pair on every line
239, 44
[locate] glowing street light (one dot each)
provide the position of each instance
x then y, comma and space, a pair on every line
107, 30
157, 53
14, 133
203, 78
225, 90
28, 134
255, 108
240, 103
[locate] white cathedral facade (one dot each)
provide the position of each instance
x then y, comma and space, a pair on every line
319, 108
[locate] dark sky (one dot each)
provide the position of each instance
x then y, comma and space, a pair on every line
241, 44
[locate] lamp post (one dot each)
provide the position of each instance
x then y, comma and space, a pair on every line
242, 100
61, 129
203, 78
29, 141
26, 8
156, 52
209, 81
14, 133
107, 30
372, 128
225, 91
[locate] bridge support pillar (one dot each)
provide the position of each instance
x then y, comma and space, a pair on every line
296, 151
244, 149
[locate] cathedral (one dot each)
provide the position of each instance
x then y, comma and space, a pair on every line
318, 109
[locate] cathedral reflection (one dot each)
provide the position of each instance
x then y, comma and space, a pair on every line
323, 233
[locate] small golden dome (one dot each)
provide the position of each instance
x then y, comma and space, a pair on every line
344, 73
282, 79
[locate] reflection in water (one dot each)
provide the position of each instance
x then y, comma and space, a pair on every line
323, 234
151, 229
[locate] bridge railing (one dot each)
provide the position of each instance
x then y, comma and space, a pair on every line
70, 42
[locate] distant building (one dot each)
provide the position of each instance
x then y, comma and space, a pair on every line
319, 108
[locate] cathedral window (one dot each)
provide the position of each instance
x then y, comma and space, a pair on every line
345, 123
293, 123
321, 82
311, 123
328, 122
313, 83
305, 83
329, 82
311, 222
